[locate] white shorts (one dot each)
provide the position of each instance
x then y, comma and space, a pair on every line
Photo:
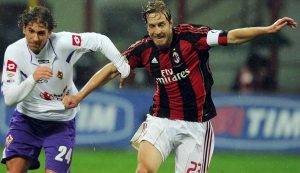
193, 142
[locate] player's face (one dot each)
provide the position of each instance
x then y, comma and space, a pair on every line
36, 35
159, 29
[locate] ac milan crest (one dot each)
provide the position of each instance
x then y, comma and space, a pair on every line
176, 57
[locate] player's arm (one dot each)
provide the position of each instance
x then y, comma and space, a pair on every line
100, 43
241, 35
14, 90
100, 78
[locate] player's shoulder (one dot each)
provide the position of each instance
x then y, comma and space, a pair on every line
60, 35
191, 28
140, 45
18, 46
64, 39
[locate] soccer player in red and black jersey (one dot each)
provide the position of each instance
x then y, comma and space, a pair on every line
177, 57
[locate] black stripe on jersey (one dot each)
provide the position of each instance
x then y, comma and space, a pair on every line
23, 74
209, 110
155, 71
189, 102
70, 56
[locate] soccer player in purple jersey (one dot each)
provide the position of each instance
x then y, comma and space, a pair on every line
37, 73
177, 58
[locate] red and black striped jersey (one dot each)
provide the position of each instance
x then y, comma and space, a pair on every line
181, 72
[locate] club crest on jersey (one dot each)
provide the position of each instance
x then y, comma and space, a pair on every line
8, 140
11, 66
60, 74
176, 57
76, 40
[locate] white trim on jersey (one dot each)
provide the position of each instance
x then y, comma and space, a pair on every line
213, 37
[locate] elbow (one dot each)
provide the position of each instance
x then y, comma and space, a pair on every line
8, 101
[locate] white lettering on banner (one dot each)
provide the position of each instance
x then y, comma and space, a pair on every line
288, 125
273, 123
104, 118
255, 117
97, 118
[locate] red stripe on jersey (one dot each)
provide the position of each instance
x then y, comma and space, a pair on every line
192, 29
222, 40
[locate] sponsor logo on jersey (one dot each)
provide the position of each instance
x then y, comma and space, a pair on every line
46, 96
169, 76
8, 140
76, 40
43, 61
60, 74
11, 66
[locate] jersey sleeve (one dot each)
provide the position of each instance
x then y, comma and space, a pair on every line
216, 37
202, 37
133, 55
13, 88
80, 43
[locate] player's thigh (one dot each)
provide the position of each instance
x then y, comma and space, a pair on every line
17, 164
22, 141
196, 149
149, 157
59, 148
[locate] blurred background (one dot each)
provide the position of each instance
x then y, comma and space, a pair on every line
256, 87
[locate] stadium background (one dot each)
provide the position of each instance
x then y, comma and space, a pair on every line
265, 133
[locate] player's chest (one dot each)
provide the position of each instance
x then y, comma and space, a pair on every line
176, 61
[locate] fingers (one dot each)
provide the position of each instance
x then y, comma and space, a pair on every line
42, 72
122, 82
290, 22
130, 77
70, 102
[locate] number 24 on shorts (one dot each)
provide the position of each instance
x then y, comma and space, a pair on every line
64, 153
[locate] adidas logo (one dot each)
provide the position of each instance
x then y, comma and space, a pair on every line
154, 60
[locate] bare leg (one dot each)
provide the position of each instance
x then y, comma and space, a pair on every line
149, 158
17, 165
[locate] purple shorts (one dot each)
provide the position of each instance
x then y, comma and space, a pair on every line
27, 136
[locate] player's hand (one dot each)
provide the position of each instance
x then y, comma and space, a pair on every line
42, 72
70, 101
123, 80
280, 23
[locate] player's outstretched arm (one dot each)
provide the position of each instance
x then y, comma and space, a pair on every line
241, 35
100, 78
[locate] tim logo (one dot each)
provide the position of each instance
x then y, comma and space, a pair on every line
11, 66
76, 40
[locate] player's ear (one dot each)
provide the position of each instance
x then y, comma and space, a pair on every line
171, 23
24, 28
